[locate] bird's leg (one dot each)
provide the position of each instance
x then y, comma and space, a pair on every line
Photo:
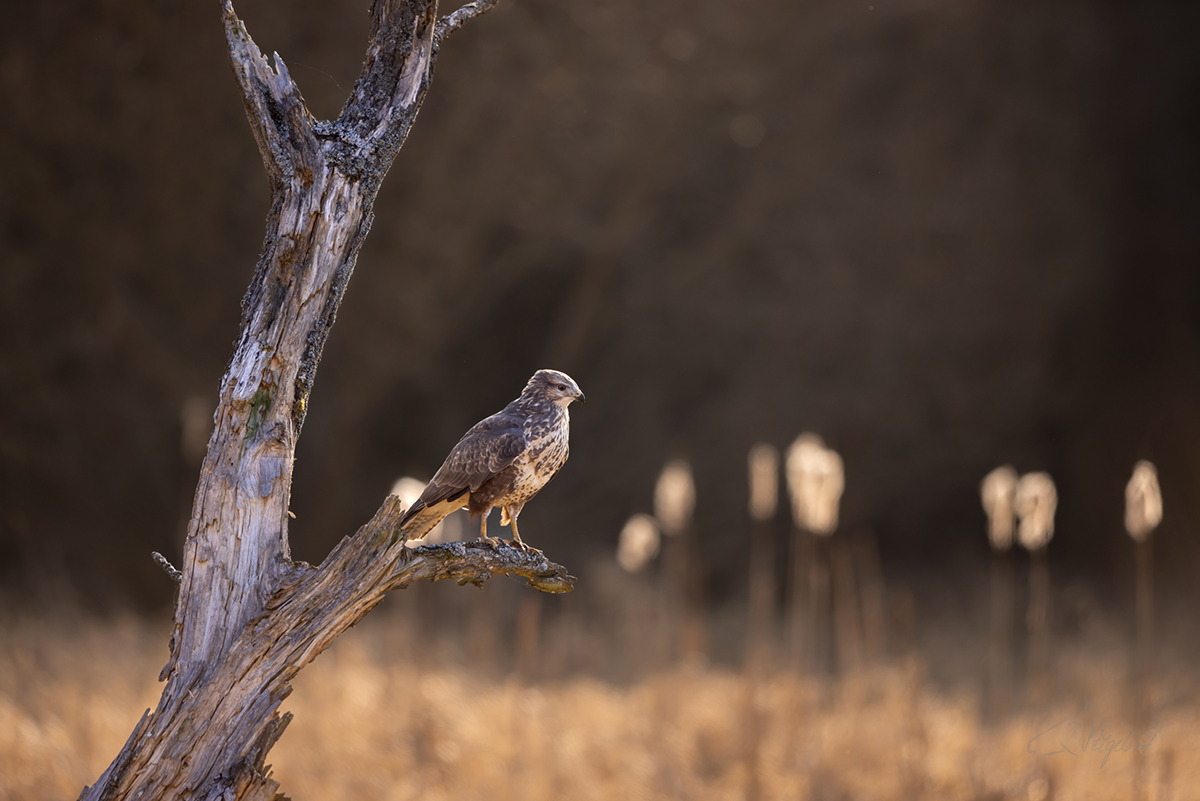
483, 537
517, 541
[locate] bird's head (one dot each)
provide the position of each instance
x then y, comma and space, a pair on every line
559, 388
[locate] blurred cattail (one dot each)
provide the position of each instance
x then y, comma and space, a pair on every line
638, 544
675, 497
815, 482
1035, 503
998, 492
1143, 501
674, 502
764, 481
763, 464
1143, 513
408, 489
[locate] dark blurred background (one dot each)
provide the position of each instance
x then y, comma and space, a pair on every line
943, 235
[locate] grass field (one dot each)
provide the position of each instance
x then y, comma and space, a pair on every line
378, 717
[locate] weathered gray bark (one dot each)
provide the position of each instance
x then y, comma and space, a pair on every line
248, 618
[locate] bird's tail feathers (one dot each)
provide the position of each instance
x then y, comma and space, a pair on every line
419, 520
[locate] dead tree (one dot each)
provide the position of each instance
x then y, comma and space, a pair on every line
248, 618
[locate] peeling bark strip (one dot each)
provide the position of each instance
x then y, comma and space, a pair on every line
248, 618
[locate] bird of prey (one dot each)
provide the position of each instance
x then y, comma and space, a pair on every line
502, 461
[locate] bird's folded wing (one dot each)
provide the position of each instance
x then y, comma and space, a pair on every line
478, 456
492, 445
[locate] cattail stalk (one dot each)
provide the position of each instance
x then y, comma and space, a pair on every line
674, 504
847, 619
764, 500
820, 606
1145, 605
815, 479
753, 734
649, 626
998, 494
1039, 635
799, 596
1035, 502
873, 593
1143, 513
1143, 673
902, 612
1000, 657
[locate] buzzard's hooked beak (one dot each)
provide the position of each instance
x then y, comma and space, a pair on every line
581, 398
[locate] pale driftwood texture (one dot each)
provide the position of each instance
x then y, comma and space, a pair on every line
248, 618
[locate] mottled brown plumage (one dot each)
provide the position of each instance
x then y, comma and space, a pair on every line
504, 460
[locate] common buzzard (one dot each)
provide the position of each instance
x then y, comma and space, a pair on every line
502, 461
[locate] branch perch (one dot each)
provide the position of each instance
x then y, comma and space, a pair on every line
248, 618
476, 562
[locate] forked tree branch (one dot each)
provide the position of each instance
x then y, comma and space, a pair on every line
248, 618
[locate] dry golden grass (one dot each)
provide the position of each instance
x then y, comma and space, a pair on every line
370, 723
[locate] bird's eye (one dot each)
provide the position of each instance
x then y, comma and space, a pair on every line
562, 387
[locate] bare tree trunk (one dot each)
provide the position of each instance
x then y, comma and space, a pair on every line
248, 618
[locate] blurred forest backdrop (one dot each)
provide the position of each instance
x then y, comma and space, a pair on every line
944, 235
